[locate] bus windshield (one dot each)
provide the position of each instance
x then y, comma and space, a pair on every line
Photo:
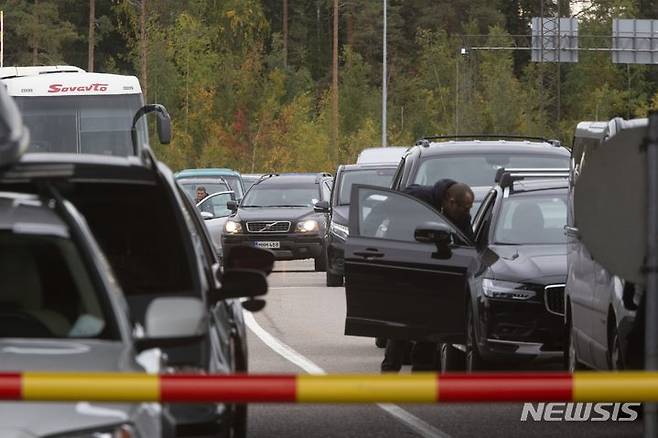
82, 124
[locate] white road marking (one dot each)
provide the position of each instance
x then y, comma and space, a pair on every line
424, 429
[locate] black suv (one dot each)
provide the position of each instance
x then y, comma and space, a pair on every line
474, 160
379, 174
285, 213
498, 298
158, 246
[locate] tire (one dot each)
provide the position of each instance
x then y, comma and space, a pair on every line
615, 355
473, 359
571, 361
451, 359
239, 417
321, 262
334, 280
380, 342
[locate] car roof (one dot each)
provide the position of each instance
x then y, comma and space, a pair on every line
293, 178
530, 185
367, 166
390, 154
21, 212
462, 147
203, 179
209, 172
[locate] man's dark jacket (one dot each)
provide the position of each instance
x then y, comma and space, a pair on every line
433, 195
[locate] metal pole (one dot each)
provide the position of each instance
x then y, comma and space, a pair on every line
2, 38
457, 94
384, 90
651, 299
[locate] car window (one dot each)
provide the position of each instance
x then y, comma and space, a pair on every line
281, 195
371, 177
536, 219
236, 185
480, 169
385, 214
190, 188
46, 291
216, 205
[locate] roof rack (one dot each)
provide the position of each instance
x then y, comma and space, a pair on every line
506, 177
425, 141
318, 175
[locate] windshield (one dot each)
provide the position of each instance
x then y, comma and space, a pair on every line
532, 219
46, 291
190, 188
480, 170
281, 195
82, 124
372, 177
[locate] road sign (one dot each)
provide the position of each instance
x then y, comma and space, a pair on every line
554, 39
634, 41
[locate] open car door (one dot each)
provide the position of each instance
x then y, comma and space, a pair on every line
399, 284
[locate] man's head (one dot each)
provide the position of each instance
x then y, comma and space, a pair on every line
457, 202
200, 193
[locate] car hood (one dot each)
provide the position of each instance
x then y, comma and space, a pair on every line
341, 214
543, 264
33, 419
274, 214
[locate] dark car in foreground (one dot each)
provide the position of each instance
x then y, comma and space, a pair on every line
474, 160
379, 174
422, 279
158, 247
287, 214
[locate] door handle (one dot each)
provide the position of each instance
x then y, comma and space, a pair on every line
571, 230
368, 254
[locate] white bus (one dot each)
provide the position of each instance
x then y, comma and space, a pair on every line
69, 110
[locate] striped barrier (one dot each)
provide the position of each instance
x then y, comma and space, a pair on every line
352, 388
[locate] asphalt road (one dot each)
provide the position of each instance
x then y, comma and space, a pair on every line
308, 317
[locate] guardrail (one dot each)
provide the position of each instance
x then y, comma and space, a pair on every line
345, 388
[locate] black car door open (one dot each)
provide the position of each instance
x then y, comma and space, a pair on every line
396, 286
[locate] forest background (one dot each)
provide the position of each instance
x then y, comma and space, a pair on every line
246, 91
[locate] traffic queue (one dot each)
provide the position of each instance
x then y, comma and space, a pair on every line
457, 253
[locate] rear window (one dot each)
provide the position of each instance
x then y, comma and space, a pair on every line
46, 291
480, 170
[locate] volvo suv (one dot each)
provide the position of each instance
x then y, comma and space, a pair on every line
287, 214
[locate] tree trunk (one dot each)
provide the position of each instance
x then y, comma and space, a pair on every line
92, 36
143, 58
35, 26
285, 33
334, 86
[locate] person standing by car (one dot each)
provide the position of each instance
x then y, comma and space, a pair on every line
454, 200
202, 194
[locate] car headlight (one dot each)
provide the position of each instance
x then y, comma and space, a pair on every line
232, 227
339, 230
307, 226
120, 431
506, 289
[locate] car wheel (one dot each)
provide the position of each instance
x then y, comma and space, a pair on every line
615, 357
452, 359
571, 356
334, 280
380, 342
321, 262
239, 419
474, 361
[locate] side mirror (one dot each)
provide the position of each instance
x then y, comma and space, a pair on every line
248, 257
14, 136
207, 215
321, 207
173, 322
163, 125
243, 283
437, 233
232, 205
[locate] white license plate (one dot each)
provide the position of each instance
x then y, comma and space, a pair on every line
268, 244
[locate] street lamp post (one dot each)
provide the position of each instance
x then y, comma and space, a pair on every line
384, 91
